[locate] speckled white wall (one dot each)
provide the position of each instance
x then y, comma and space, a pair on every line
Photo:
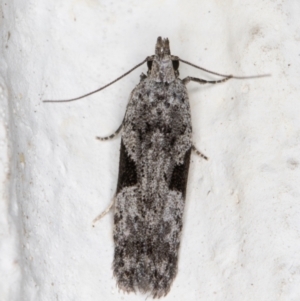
241, 237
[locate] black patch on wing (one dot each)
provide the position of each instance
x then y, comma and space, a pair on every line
180, 175
127, 170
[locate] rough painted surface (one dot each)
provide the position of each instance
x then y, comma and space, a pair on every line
242, 217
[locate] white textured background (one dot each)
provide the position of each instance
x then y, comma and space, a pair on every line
241, 237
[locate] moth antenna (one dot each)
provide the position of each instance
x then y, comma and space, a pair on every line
90, 93
224, 75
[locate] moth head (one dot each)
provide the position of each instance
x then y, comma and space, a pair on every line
163, 67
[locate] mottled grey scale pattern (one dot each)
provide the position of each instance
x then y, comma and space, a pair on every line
155, 154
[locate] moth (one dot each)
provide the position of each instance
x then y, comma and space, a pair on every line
156, 145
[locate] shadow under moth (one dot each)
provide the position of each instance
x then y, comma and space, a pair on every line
155, 152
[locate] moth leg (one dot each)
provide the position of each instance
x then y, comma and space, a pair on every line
203, 81
199, 153
112, 135
96, 219
142, 77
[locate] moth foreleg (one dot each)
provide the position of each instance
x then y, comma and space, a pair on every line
199, 153
112, 135
203, 81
